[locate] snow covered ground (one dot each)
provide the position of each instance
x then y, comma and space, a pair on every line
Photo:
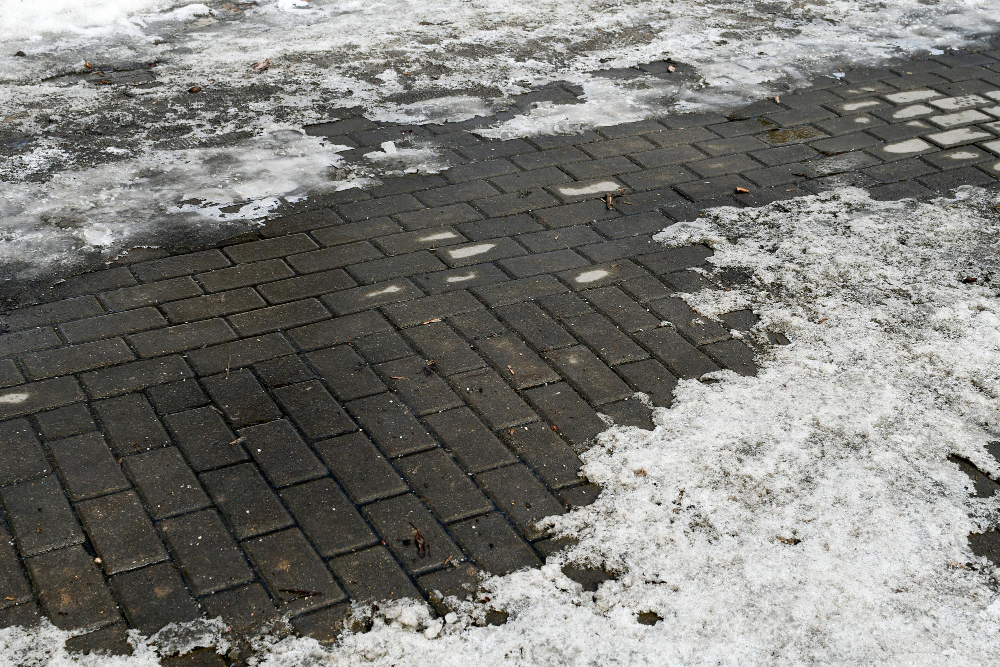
808, 515
85, 165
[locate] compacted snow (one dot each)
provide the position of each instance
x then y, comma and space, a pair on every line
74, 140
807, 515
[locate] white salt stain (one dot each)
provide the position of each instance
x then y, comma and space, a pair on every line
593, 189
391, 289
911, 112
862, 120
993, 94
963, 155
993, 146
912, 96
440, 236
461, 278
908, 146
12, 399
591, 276
472, 250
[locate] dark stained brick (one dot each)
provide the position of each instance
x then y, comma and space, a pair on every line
363, 471
329, 519
71, 590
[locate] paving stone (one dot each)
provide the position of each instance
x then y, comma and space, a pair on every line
283, 370
516, 202
347, 375
953, 178
63, 422
566, 305
521, 497
400, 520
179, 265
207, 554
246, 500
577, 213
121, 532
468, 439
205, 439
154, 597
599, 275
29, 340
294, 573
537, 328
334, 257
438, 343
485, 391
247, 610
375, 208
509, 355
281, 453
131, 377
52, 313
149, 294
372, 575
606, 339
37, 396
281, 246
609, 166
734, 355
329, 519
480, 169
444, 486
177, 396
114, 324
86, 466
239, 353
381, 347
243, 275
40, 516
353, 300
431, 308
339, 330
391, 424
21, 455
563, 408
355, 231
591, 376
682, 358
166, 483
698, 329
363, 471
130, 424
71, 590
313, 409
624, 311
547, 453
181, 337
492, 228
241, 398
418, 385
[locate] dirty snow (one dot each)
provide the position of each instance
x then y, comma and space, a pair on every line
808, 515
396, 61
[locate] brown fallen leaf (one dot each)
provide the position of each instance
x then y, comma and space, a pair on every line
262, 66
88, 65
194, 89
432, 320
788, 540
641, 472
742, 190
671, 69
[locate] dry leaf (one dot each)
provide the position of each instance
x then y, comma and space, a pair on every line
263, 65
511, 369
743, 190
432, 320
671, 69
194, 89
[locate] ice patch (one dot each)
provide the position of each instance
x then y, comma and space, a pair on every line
592, 275
912, 112
15, 398
596, 188
472, 250
964, 135
912, 96
908, 146
440, 236
391, 289
955, 103
460, 278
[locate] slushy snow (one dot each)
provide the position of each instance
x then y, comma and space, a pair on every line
807, 515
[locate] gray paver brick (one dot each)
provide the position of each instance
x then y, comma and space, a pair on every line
281, 453
313, 409
289, 566
37, 396
245, 499
121, 532
399, 520
166, 483
363, 471
208, 556
469, 440
484, 390
114, 324
520, 496
21, 455
71, 590
241, 398
134, 376
40, 516
443, 485
328, 517
76, 358
372, 575
86, 466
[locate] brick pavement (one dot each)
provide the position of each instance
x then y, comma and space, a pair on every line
381, 392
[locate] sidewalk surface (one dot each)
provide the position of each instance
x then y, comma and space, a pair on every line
381, 392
